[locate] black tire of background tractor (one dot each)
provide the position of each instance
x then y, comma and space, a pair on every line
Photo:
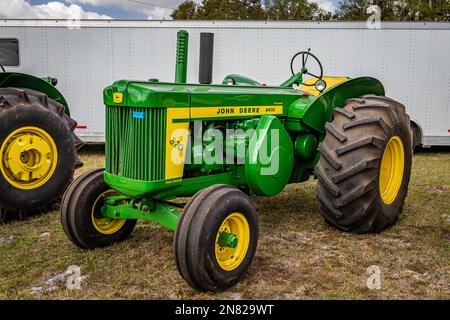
195, 237
8, 215
417, 135
76, 208
349, 167
24, 107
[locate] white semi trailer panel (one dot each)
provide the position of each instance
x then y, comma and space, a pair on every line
411, 59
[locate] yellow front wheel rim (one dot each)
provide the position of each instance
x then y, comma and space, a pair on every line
102, 224
230, 258
392, 168
29, 157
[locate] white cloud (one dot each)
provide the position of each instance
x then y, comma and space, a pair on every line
159, 14
154, 9
131, 4
20, 9
326, 5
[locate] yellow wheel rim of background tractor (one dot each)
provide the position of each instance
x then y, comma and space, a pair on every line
29, 157
102, 224
392, 168
230, 258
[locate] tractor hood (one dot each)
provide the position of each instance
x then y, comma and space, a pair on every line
169, 95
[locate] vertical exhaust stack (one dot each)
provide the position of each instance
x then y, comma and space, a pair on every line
206, 58
182, 56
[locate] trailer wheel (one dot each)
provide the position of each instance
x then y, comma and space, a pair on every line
365, 165
81, 216
216, 238
38, 151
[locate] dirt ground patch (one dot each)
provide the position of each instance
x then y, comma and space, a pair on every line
299, 256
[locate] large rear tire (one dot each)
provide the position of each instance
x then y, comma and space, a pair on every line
365, 165
38, 151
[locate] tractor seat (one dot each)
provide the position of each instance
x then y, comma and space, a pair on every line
330, 81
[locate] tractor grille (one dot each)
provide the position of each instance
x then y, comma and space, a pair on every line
135, 142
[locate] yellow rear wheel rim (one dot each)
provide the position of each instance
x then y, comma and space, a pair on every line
29, 157
392, 168
231, 258
102, 224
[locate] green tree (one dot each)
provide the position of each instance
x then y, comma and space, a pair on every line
293, 10
251, 10
230, 10
185, 11
424, 10
352, 10
357, 9
220, 10
395, 10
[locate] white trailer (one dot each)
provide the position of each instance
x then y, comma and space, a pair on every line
410, 59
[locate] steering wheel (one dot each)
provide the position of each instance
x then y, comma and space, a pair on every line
305, 55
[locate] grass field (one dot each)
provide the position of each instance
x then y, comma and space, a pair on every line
299, 256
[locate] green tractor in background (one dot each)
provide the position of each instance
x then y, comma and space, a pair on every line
356, 141
38, 147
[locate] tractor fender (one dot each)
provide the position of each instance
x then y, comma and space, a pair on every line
320, 110
26, 81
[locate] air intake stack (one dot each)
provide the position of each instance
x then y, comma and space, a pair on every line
206, 58
182, 57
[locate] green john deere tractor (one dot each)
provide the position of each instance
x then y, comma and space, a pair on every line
38, 148
257, 139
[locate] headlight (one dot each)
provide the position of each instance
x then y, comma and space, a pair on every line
321, 85
231, 82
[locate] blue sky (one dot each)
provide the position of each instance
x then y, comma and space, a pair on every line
99, 9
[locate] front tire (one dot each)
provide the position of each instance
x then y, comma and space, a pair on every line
365, 165
216, 238
81, 216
